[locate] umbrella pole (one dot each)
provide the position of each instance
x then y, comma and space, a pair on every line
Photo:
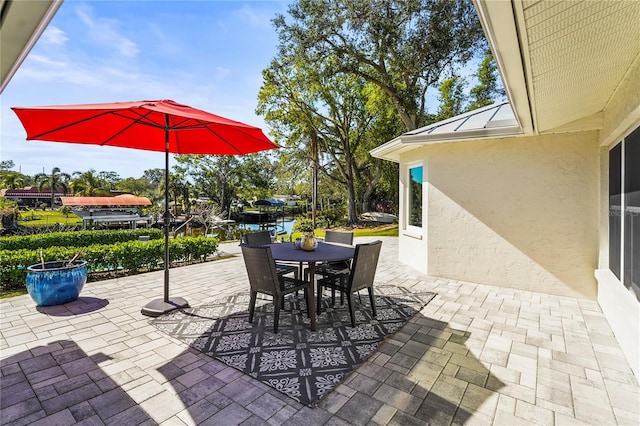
161, 306
167, 219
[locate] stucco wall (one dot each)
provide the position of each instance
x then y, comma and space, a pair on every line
412, 247
517, 212
622, 112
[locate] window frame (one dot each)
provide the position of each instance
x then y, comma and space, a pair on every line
409, 227
620, 266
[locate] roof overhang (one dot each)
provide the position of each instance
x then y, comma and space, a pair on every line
490, 122
498, 21
564, 66
22, 22
562, 63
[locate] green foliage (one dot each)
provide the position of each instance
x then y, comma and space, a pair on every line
223, 178
6, 165
74, 239
383, 231
303, 224
332, 217
489, 86
65, 210
129, 256
89, 184
404, 47
8, 217
451, 98
56, 181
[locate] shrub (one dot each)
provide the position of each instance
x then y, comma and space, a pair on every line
75, 239
130, 256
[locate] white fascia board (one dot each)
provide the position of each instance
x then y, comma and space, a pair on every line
391, 150
499, 24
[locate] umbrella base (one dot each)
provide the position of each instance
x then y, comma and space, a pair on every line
158, 307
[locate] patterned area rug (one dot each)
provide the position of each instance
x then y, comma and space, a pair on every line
303, 364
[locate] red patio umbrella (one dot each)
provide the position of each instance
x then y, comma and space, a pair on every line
162, 125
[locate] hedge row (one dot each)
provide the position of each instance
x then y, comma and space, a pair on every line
75, 239
132, 256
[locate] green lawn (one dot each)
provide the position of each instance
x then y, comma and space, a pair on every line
380, 231
46, 218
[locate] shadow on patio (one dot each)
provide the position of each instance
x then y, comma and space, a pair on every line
408, 380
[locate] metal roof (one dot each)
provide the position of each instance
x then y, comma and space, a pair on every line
487, 122
106, 201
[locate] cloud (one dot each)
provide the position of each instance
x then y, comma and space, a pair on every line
105, 31
183, 56
54, 35
256, 18
164, 44
222, 71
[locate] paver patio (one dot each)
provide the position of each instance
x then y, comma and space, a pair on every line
476, 354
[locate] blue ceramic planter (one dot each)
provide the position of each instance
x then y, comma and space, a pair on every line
56, 283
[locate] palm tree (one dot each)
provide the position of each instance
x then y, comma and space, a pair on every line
12, 180
87, 184
56, 180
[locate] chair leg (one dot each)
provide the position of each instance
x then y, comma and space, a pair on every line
372, 299
351, 312
276, 314
252, 305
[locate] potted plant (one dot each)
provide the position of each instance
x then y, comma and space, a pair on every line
308, 241
56, 282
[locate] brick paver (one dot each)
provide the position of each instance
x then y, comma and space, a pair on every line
475, 354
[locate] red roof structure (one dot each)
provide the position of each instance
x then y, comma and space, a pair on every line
120, 200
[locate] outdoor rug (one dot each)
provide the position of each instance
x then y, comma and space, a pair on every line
303, 364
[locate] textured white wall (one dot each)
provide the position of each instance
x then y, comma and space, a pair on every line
517, 212
622, 112
412, 247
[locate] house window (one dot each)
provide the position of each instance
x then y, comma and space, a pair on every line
624, 211
415, 197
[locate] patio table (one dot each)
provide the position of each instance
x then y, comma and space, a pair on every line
325, 252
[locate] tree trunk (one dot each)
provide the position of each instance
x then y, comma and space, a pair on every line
352, 216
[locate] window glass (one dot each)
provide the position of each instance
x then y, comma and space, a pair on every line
415, 196
615, 208
624, 211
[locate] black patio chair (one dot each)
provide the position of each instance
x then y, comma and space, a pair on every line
351, 281
333, 267
261, 238
263, 278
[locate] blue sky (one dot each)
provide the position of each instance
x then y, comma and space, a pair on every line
207, 54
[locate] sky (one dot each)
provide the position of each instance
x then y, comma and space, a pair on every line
206, 54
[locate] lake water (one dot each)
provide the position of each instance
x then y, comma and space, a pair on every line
283, 226
235, 231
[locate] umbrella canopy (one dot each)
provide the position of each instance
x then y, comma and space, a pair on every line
162, 125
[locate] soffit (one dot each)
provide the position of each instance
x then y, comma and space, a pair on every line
577, 53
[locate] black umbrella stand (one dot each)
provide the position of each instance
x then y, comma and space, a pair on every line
158, 307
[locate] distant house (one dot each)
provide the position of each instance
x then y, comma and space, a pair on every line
31, 196
541, 193
119, 211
